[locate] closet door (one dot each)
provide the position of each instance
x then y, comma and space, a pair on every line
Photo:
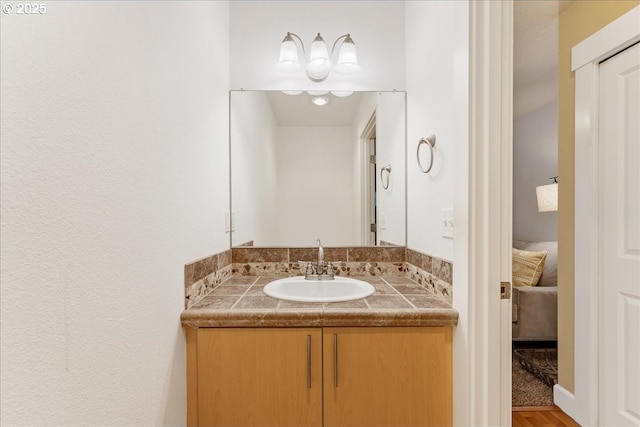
619, 238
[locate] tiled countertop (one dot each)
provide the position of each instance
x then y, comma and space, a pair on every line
397, 301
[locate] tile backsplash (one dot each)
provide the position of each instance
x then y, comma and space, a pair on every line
433, 273
201, 276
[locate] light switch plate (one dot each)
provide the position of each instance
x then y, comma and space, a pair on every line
447, 223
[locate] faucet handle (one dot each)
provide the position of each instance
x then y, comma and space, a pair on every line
309, 269
330, 269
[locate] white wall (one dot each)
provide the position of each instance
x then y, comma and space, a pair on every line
535, 159
114, 169
430, 110
254, 168
438, 84
258, 27
314, 164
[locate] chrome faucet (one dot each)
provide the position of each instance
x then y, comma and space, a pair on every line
319, 272
320, 265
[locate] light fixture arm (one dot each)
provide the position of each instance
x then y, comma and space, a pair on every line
289, 34
304, 52
344, 36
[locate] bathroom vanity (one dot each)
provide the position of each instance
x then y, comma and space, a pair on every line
385, 360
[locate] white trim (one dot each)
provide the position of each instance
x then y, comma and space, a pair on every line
484, 223
506, 209
564, 400
620, 34
613, 38
586, 246
365, 181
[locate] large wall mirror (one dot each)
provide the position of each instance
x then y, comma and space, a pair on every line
302, 171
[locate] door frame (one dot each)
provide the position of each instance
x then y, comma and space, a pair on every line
586, 56
483, 216
368, 182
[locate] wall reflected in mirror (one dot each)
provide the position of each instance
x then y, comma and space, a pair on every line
300, 171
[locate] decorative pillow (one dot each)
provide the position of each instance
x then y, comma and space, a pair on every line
527, 267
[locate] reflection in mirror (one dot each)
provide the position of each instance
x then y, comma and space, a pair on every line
300, 171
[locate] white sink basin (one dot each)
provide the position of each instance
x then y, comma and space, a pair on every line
299, 289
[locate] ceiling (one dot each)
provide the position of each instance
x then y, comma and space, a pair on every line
535, 56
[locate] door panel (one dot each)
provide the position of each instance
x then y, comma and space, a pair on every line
387, 376
259, 377
619, 237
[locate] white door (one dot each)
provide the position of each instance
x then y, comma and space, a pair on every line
619, 240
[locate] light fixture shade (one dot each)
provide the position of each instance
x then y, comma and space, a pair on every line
319, 63
318, 50
317, 92
347, 57
341, 93
547, 196
289, 60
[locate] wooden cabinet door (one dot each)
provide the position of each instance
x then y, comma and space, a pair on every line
259, 377
391, 376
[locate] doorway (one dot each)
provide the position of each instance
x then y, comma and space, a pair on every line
368, 168
535, 163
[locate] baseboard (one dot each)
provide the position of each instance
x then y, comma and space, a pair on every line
564, 400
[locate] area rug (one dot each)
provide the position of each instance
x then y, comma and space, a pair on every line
541, 362
527, 389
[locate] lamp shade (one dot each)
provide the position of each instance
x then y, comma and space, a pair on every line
318, 50
319, 62
289, 60
547, 196
347, 57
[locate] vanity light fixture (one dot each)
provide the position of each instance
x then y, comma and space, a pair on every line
547, 196
319, 64
336, 93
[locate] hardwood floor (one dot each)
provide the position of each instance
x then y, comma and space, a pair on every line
546, 416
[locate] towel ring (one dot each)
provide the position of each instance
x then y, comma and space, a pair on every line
388, 170
431, 142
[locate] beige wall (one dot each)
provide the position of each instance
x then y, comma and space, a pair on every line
582, 19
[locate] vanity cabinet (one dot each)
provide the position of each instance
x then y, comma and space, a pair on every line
342, 376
